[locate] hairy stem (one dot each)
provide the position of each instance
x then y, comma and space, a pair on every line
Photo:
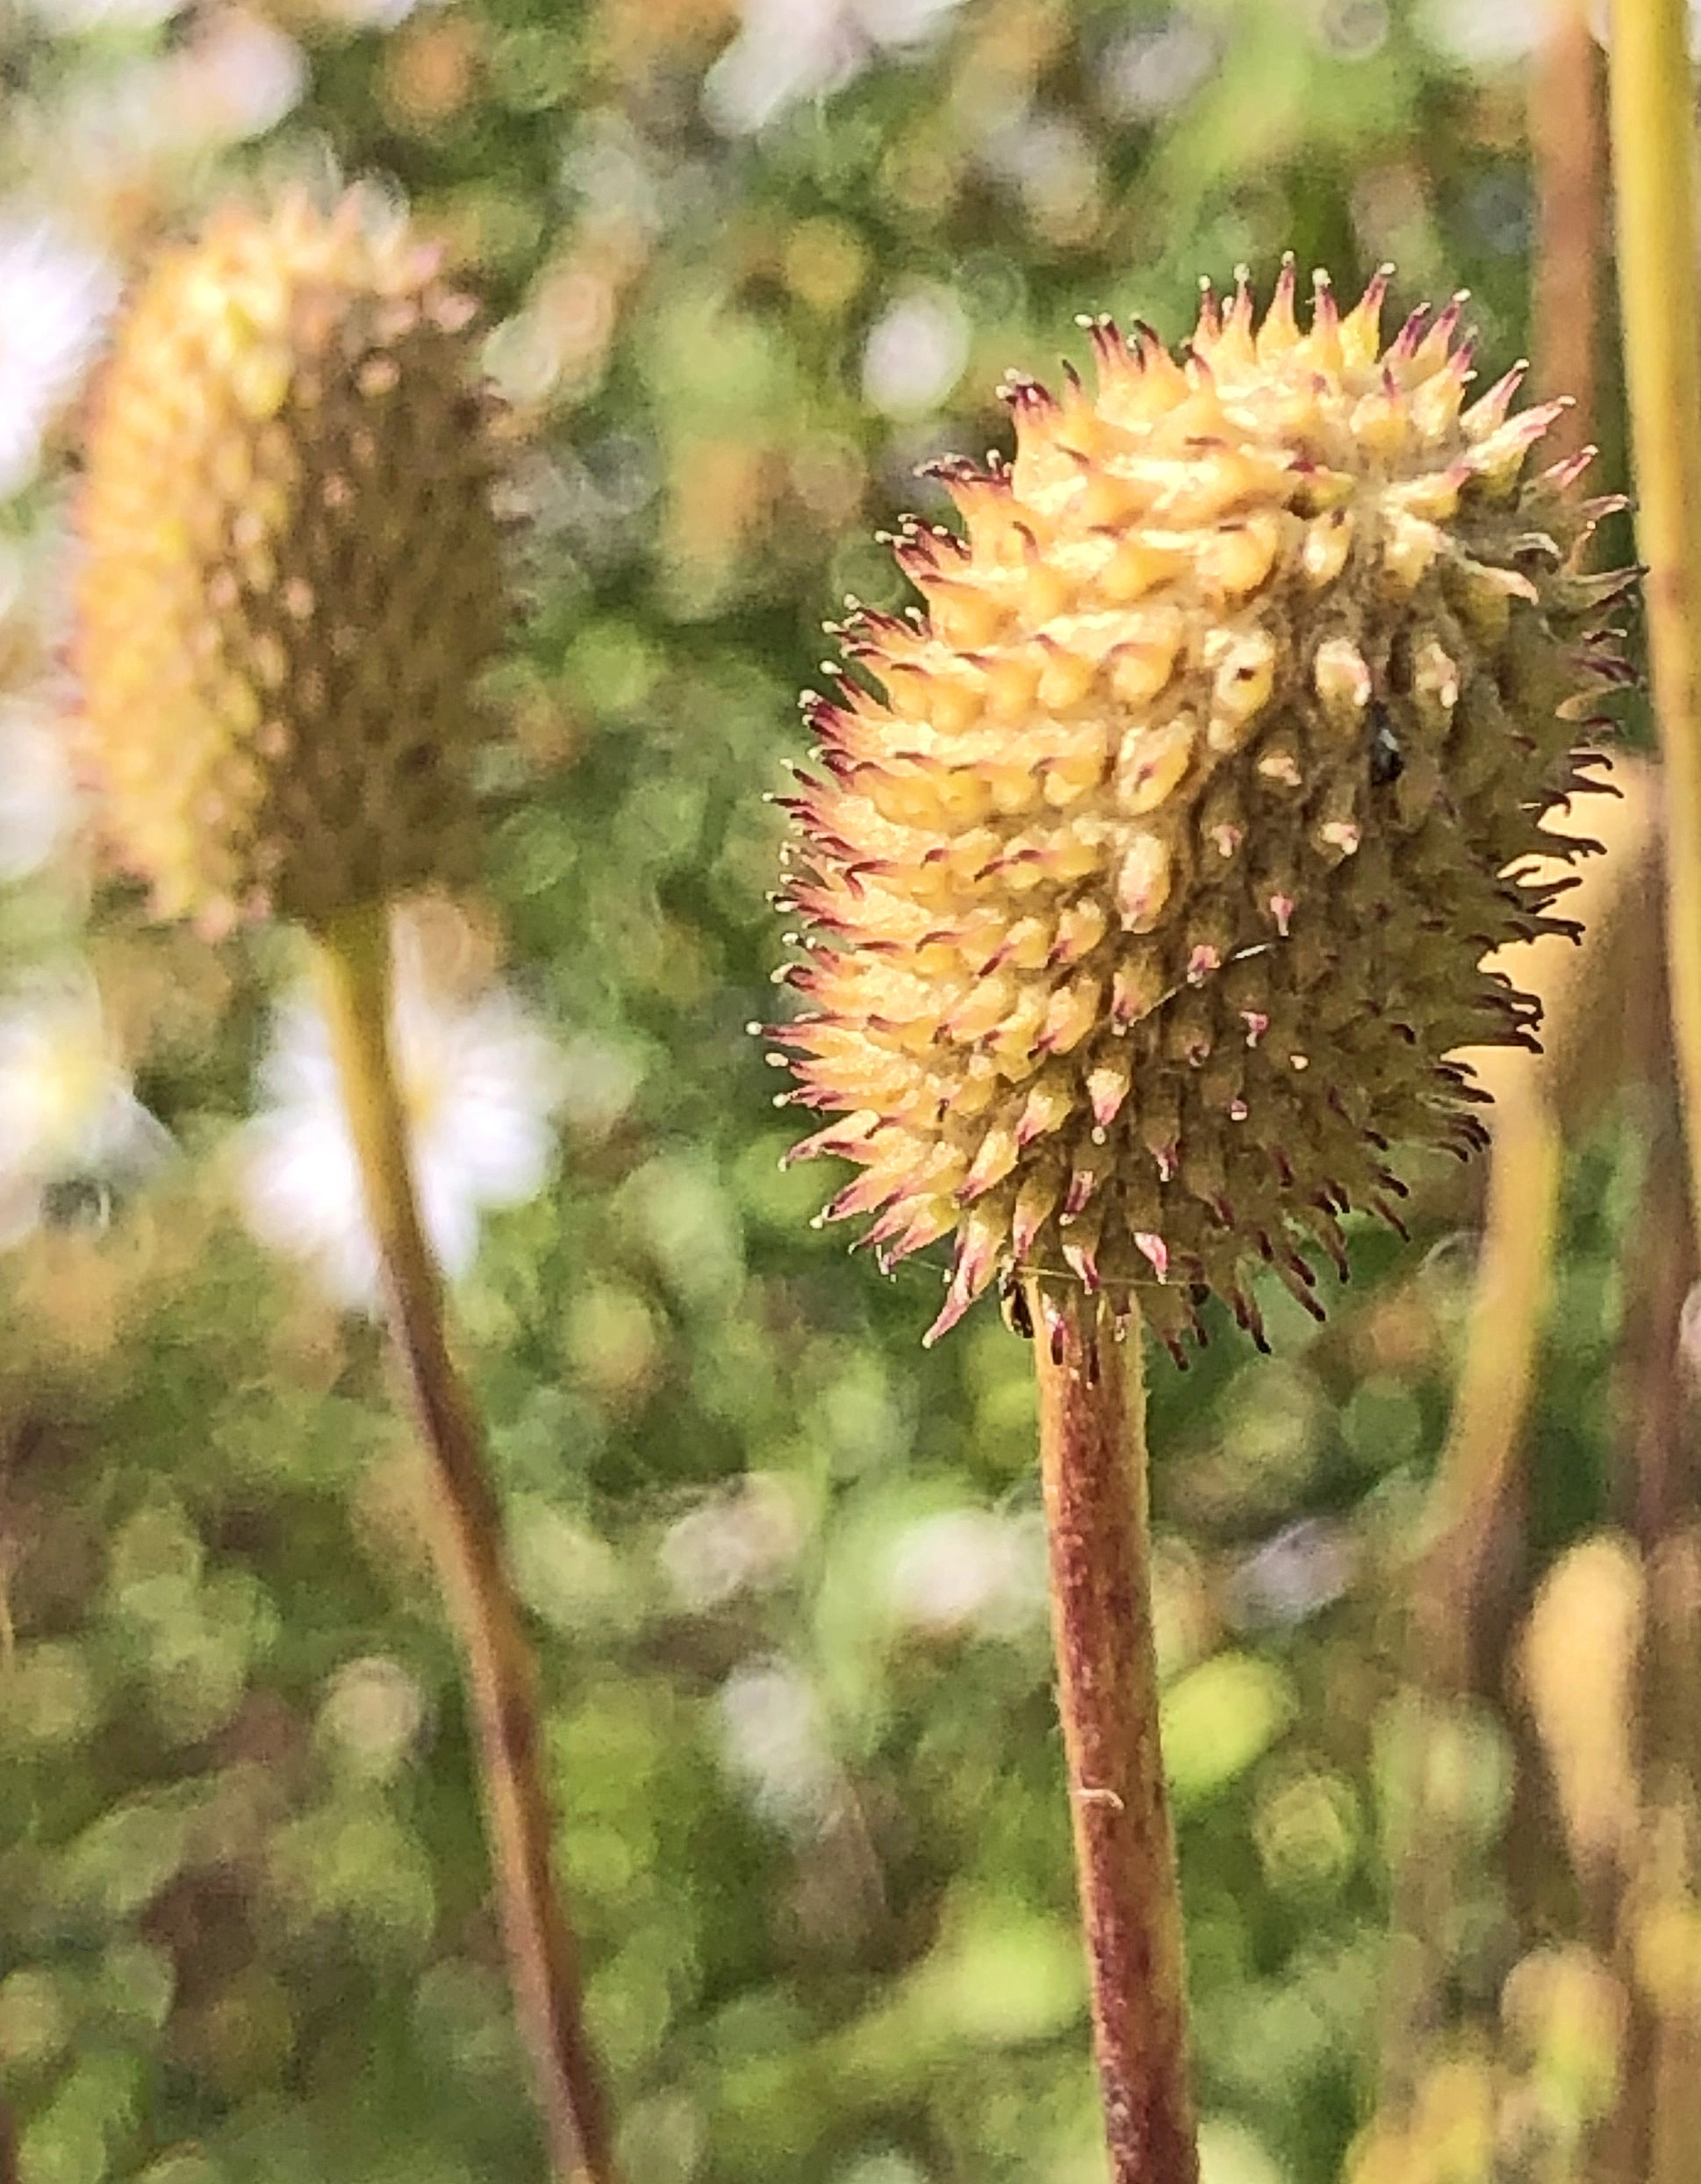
1092, 1416
1653, 169
354, 981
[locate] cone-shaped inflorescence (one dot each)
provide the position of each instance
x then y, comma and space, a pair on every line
290, 572
1147, 879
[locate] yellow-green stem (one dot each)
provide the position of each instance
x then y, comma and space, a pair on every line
1477, 1482
1459, 1588
1093, 1470
1652, 104
354, 981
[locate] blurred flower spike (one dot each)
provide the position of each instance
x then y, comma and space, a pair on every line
480, 1082
68, 1113
292, 574
1146, 881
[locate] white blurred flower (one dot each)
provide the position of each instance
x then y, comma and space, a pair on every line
1050, 159
1152, 69
968, 1571
915, 353
480, 1082
123, 144
234, 82
1488, 34
1299, 1570
744, 1538
773, 1738
796, 49
106, 139
55, 295
372, 1715
38, 791
1600, 22
35, 617
67, 1110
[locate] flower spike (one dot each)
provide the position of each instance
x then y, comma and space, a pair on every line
1181, 823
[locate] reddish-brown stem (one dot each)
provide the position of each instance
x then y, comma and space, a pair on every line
353, 965
1092, 1430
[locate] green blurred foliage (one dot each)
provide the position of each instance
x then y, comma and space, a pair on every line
786, 1569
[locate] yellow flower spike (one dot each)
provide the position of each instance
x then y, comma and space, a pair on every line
292, 577
291, 571
1272, 749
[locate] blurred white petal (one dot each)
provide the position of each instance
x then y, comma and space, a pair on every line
790, 50
1151, 70
22, 1201
38, 791
236, 80
963, 1572
915, 353
480, 1083
67, 1107
371, 1716
1493, 34
773, 1739
300, 1193
58, 295
747, 1536
1488, 33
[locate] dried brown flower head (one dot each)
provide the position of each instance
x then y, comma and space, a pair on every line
291, 573
1150, 868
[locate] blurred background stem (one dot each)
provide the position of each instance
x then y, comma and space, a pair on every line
1652, 104
1474, 1501
353, 965
1093, 1462
1463, 1588
1567, 150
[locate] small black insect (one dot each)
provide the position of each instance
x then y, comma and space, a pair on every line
1388, 761
1013, 1300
